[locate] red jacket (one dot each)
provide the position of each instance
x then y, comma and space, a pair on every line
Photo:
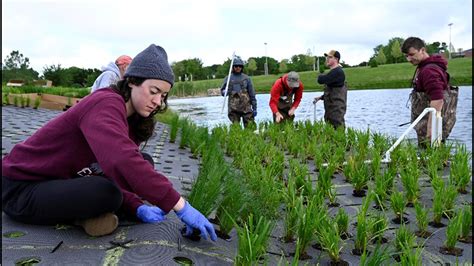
280, 86
431, 77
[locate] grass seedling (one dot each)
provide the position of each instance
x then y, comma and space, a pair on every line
360, 177
377, 257
232, 202
422, 221
410, 256
328, 237
377, 226
409, 177
438, 189
309, 220
37, 102
460, 170
342, 221
398, 204
186, 131
466, 224
253, 240
360, 242
404, 239
174, 126
449, 197
16, 101
452, 234
293, 210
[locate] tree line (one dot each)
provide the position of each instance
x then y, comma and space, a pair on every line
16, 66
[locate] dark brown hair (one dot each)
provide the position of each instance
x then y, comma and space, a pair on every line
412, 42
141, 128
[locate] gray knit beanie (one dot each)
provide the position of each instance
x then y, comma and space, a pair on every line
151, 63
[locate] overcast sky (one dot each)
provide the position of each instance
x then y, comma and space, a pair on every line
91, 33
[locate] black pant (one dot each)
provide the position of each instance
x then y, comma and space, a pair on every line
60, 200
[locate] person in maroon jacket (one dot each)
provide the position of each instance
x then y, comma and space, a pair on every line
285, 96
430, 89
84, 166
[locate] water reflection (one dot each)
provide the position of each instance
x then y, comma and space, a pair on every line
380, 110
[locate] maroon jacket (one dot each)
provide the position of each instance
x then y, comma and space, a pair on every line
431, 77
93, 130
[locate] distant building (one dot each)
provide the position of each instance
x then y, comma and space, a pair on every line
15, 83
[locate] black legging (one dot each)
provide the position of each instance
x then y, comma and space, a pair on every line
60, 200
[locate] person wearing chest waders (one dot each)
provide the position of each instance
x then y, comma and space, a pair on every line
335, 90
285, 97
430, 89
242, 104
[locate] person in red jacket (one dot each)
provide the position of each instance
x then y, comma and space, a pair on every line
285, 96
430, 89
85, 166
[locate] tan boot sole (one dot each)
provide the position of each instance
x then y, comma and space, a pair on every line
100, 225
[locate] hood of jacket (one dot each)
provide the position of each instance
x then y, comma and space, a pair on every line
111, 67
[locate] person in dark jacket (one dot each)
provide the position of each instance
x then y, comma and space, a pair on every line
242, 104
335, 90
430, 89
53, 176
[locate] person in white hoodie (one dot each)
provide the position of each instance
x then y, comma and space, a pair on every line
112, 73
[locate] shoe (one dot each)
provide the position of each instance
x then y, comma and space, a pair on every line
100, 225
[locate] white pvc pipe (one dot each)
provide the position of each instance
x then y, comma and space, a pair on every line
417, 120
314, 114
228, 79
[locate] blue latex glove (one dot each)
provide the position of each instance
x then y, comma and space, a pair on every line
194, 219
254, 113
150, 214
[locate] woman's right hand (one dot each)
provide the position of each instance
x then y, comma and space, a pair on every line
194, 219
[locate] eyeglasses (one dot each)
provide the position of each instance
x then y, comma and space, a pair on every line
238, 66
329, 56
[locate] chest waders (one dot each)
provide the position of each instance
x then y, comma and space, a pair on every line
420, 100
285, 102
240, 106
335, 105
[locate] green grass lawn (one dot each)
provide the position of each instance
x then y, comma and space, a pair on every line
381, 77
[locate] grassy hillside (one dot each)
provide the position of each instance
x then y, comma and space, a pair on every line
384, 76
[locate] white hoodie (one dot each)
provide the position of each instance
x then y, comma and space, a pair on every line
109, 76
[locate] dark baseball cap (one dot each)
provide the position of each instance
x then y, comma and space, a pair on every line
334, 53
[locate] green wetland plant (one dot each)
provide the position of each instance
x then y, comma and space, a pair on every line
398, 203
449, 198
404, 239
294, 207
460, 170
438, 197
377, 257
342, 221
361, 238
377, 225
409, 177
329, 238
453, 231
466, 224
37, 102
174, 127
309, 219
16, 101
422, 221
411, 257
253, 240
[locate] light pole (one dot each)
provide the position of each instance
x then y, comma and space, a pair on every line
450, 45
266, 60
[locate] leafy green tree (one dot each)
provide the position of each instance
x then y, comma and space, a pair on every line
58, 75
251, 66
380, 58
283, 66
396, 51
17, 66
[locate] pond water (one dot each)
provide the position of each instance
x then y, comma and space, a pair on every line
380, 110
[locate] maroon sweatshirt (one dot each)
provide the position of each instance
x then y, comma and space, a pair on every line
93, 130
431, 77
